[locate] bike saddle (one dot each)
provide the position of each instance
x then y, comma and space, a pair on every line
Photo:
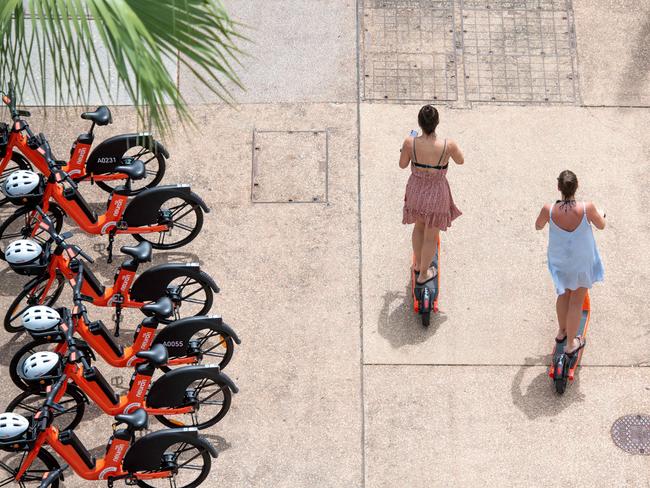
135, 170
157, 355
137, 420
161, 308
101, 116
141, 253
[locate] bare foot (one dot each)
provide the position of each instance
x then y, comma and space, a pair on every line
429, 274
560, 336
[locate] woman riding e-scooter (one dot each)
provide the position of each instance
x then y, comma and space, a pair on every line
573, 258
428, 203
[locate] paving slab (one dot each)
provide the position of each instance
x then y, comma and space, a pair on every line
499, 426
299, 52
613, 38
289, 286
495, 286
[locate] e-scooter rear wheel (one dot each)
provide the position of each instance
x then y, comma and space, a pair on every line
560, 385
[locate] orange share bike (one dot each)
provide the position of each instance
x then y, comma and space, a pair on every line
190, 289
18, 151
173, 212
168, 457
195, 396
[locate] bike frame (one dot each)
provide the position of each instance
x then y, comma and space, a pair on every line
107, 222
135, 398
109, 465
75, 167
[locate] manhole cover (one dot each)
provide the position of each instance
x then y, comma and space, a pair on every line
632, 434
289, 166
409, 51
519, 51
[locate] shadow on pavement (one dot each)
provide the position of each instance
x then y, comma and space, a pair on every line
9, 348
539, 398
11, 282
400, 325
636, 72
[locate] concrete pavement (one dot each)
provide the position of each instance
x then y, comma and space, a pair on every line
340, 384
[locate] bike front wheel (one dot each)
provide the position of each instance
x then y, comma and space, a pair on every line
21, 225
184, 218
42, 293
73, 402
189, 463
10, 463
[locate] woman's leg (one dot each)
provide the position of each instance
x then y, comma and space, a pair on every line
417, 238
428, 251
562, 308
573, 317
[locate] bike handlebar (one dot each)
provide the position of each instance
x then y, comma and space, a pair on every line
48, 226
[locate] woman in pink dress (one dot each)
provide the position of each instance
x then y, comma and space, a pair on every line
428, 203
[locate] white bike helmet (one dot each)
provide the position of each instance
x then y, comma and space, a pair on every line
20, 183
40, 318
12, 425
40, 364
23, 251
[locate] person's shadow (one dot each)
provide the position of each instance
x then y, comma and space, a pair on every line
539, 398
400, 325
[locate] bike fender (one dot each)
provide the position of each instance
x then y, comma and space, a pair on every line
143, 208
169, 389
145, 454
176, 336
108, 153
152, 284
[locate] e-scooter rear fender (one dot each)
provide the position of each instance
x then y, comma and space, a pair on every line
108, 154
168, 391
145, 454
152, 284
176, 336
143, 209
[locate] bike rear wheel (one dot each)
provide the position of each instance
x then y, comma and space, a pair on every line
190, 464
39, 294
185, 220
212, 402
155, 165
21, 224
73, 402
11, 461
190, 295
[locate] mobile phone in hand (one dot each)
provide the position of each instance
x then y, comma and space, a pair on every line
414, 133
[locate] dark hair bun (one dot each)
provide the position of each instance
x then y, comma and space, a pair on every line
567, 183
428, 119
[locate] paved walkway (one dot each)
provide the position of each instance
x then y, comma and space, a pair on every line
341, 386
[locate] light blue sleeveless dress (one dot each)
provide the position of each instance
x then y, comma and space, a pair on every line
573, 258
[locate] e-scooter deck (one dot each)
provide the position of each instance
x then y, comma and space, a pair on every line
425, 297
563, 368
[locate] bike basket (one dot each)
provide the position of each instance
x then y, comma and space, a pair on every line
4, 139
40, 369
27, 257
24, 187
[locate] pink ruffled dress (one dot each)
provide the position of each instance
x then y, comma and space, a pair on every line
428, 195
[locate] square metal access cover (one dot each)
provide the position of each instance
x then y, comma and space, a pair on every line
408, 50
290, 166
519, 51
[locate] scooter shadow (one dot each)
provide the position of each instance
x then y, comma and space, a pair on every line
539, 399
399, 325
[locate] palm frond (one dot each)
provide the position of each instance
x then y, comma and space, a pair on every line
70, 42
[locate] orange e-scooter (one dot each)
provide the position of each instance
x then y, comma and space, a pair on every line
425, 295
564, 366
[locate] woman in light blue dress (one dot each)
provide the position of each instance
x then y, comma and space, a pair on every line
573, 258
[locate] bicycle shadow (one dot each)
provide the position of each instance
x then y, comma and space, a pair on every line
10, 348
398, 323
539, 398
102, 267
11, 282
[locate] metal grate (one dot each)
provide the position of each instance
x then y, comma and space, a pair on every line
632, 434
519, 51
409, 51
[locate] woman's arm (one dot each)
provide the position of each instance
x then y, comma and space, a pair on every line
543, 217
405, 156
594, 216
455, 152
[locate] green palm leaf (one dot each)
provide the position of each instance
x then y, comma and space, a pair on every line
69, 41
